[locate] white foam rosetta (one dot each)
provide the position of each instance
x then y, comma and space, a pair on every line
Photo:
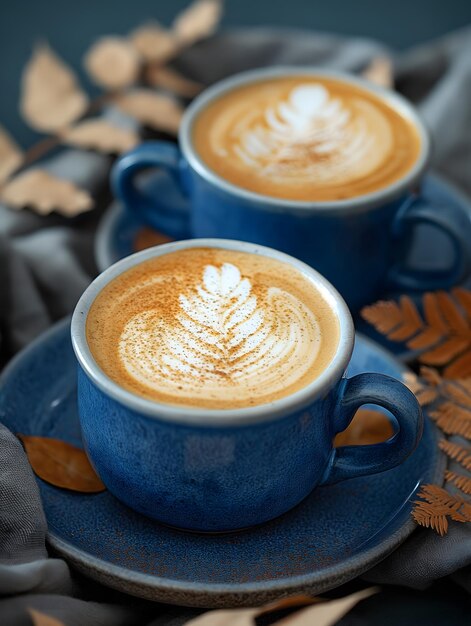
224, 337
312, 135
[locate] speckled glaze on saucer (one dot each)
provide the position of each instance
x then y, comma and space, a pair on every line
337, 533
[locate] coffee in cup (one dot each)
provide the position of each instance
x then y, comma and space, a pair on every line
306, 138
212, 328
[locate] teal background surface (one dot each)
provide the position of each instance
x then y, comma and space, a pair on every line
71, 27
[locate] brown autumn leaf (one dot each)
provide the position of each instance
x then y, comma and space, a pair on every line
41, 619
51, 98
61, 464
148, 238
442, 334
369, 426
113, 63
156, 110
172, 80
199, 20
321, 613
154, 43
45, 193
380, 72
11, 155
99, 134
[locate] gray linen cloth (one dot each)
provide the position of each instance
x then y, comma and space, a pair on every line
46, 262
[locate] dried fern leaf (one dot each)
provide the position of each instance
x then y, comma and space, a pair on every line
427, 396
411, 322
460, 368
456, 452
425, 339
455, 321
462, 482
464, 298
457, 393
425, 515
433, 494
398, 321
384, 315
432, 313
445, 352
436, 505
452, 419
431, 375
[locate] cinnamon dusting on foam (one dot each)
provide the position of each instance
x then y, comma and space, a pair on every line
212, 328
306, 139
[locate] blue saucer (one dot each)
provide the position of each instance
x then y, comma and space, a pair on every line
431, 250
337, 533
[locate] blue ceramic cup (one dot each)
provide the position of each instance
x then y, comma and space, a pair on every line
220, 470
361, 244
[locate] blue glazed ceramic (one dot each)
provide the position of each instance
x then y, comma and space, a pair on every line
335, 534
430, 252
219, 470
359, 244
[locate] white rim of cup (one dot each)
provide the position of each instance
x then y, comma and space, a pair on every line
214, 417
356, 204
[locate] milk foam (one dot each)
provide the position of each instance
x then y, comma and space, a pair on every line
224, 339
311, 135
306, 138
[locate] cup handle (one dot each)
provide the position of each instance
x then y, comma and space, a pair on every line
157, 212
453, 222
389, 393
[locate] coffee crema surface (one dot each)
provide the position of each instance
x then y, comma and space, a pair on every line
306, 138
212, 328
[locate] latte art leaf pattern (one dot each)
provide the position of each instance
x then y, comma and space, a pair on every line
309, 133
224, 336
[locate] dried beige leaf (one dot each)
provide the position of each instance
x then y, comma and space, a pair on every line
45, 193
113, 63
51, 98
326, 613
101, 135
156, 110
172, 80
234, 617
41, 619
322, 613
199, 20
154, 43
11, 155
380, 72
